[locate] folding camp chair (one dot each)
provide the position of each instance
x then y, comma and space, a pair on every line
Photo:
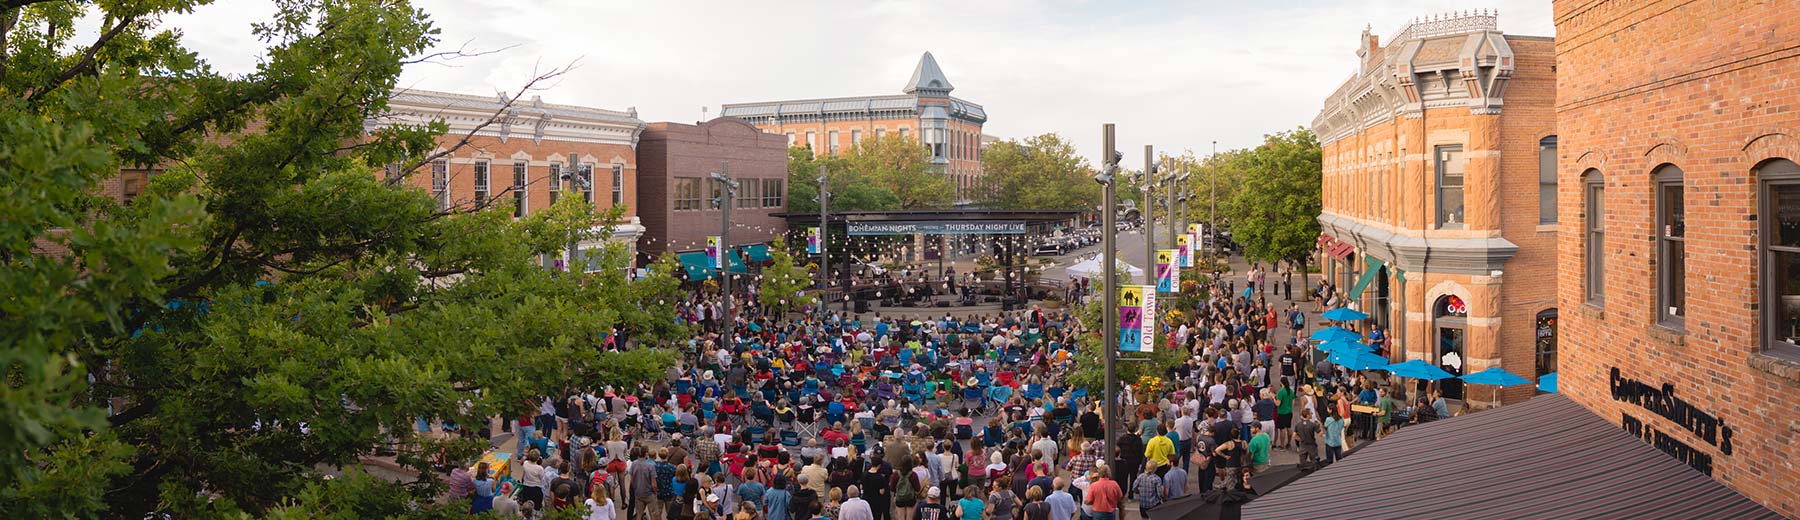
790, 438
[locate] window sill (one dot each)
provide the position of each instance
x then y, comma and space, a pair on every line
1776, 365
1589, 310
1667, 334
1546, 228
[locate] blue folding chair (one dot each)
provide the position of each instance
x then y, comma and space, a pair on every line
992, 435
834, 412
1055, 392
1033, 392
757, 433
790, 438
972, 399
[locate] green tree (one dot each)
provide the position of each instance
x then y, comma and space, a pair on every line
1090, 363
280, 300
900, 166
851, 190
1042, 172
1274, 213
783, 281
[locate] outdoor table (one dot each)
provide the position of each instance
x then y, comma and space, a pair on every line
1362, 418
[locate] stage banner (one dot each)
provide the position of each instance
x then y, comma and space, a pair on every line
712, 251
813, 239
1184, 250
1131, 317
1168, 276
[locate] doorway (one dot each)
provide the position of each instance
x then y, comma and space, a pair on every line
1451, 314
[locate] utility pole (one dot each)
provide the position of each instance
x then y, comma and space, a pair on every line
824, 235
1109, 286
1174, 223
727, 193
579, 184
1149, 214
1212, 215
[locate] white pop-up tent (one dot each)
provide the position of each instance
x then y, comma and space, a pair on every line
1091, 267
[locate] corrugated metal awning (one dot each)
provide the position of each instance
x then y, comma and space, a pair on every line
1544, 458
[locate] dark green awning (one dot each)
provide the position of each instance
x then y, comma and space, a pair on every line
696, 265
1371, 267
758, 253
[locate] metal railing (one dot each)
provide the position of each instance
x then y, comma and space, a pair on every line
1447, 24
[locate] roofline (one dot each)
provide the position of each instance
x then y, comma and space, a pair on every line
836, 99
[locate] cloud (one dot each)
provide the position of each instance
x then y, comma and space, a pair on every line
1176, 74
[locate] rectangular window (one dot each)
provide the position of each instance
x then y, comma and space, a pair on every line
1780, 222
1595, 220
748, 195
132, 183
440, 183
1450, 186
772, 193
556, 181
855, 138
902, 131
618, 184
520, 198
481, 181
831, 139
791, 142
587, 183
1547, 180
715, 194
1671, 231
880, 133
687, 193
812, 141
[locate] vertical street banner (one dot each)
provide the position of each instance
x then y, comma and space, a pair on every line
1184, 250
1168, 276
1131, 318
1194, 241
712, 251
1147, 324
812, 240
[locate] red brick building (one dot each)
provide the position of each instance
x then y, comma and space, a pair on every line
949, 126
676, 189
523, 157
1674, 113
1436, 217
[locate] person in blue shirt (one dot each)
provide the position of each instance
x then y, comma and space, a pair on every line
775, 501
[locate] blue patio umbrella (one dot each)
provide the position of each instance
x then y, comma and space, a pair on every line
1345, 314
1419, 369
1330, 334
1358, 360
1495, 376
1333, 347
1547, 382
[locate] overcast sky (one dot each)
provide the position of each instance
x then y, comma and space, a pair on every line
1175, 74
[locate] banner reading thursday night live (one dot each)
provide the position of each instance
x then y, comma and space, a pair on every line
938, 227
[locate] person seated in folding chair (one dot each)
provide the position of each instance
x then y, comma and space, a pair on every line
784, 415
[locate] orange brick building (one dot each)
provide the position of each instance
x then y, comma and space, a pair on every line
523, 157
949, 126
1436, 216
1676, 113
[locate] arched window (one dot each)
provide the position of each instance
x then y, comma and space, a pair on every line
1547, 180
1546, 342
1450, 314
1593, 221
1671, 255
1780, 256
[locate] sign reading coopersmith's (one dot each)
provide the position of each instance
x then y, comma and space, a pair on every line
938, 227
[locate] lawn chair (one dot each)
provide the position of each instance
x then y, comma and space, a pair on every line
834, 412
972, 399
762, 413
1033, 392
806, 420
790, 438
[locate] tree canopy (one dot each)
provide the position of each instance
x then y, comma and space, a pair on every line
1275, 204
1041, 172
278, 301
879, 174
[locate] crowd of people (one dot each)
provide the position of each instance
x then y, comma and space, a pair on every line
866, 417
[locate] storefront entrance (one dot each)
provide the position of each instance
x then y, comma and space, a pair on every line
1451, 315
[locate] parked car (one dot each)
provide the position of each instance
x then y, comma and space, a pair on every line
1048, 249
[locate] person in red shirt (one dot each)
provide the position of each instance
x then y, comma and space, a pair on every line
1103, 494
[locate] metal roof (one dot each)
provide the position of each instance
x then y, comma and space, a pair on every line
927, 76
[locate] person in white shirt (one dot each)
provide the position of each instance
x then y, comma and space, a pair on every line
854, 507
600, 506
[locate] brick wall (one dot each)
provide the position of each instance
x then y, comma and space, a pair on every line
670, 150
1711, 88
538, 156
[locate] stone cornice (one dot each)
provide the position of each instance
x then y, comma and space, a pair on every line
1465, 67
1477, 256
526, 119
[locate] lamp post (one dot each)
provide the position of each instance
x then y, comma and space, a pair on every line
1109, 284
824, 236
579, 183
727, 193
1174, 223
1149, 214
1212, 215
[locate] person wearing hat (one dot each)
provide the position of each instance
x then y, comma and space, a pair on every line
932, 508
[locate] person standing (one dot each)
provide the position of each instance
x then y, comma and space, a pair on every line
877, 481
1334, 436
641, 485
776, 501
1130, 451
1284, 402
1259, 448
1306, 438
1175, 480
1103, 494
1150, 490
855, 508
1062, 504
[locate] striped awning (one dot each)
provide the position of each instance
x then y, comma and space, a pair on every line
1544, 458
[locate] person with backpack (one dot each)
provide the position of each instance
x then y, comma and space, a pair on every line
1001, 501
906, 494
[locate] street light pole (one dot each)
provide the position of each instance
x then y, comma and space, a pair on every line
824, 236
727, 193
1212, 215
580, 184
1149, 214
1109, 285
1174, 223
